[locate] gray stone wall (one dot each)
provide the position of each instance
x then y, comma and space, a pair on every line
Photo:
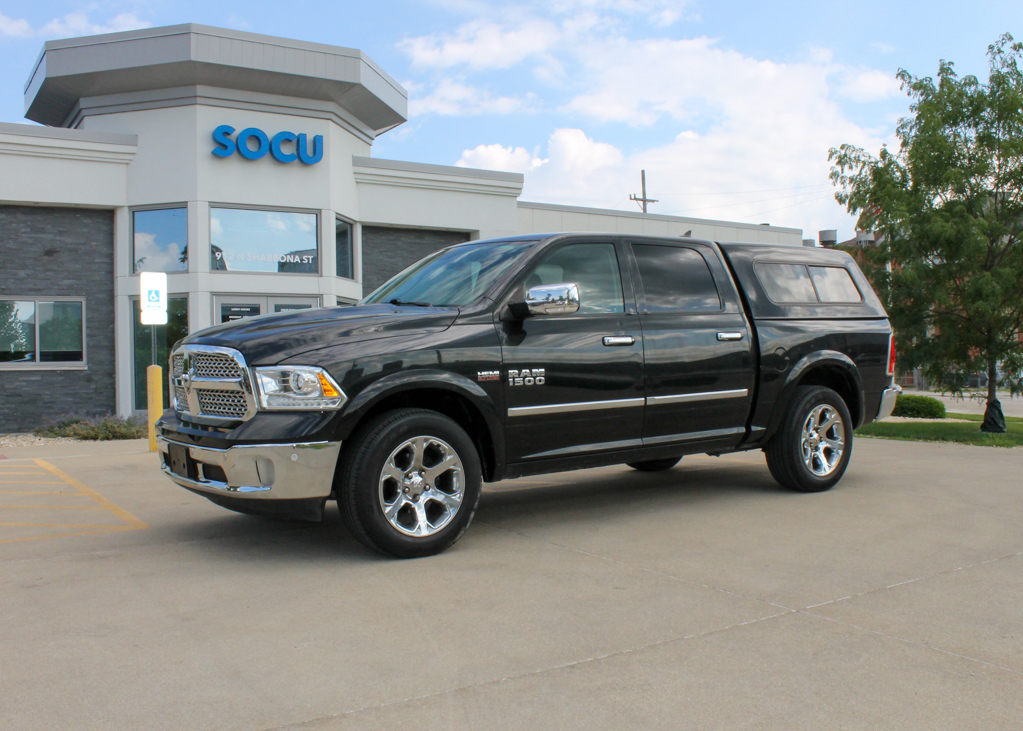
66, 252
386, 251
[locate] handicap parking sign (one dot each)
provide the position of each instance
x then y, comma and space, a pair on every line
153, 298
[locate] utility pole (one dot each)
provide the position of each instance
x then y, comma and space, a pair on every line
642, 200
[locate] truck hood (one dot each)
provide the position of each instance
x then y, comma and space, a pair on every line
269, 339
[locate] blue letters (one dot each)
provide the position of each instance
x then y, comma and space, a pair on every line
222, 136
225, 146
275, 147
303, 150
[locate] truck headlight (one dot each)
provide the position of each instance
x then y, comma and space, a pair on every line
298, 387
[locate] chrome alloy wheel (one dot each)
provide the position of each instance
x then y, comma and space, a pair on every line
422, 486
823, 440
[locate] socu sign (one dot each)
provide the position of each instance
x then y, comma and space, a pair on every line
253, 143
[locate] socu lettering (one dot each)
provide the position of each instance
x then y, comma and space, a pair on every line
253, 143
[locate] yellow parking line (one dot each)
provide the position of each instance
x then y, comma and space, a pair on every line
121, 513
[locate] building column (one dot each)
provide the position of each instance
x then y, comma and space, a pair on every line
200, 301
124, 387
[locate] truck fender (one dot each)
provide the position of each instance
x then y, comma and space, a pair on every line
833, 361
420, 378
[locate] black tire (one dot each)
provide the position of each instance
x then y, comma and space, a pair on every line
362, 488
785, 452
655, 465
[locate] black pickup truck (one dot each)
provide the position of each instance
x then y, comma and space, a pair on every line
497, 359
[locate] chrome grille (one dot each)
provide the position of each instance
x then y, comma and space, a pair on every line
180, 399
178, 365
229, 404
214, 365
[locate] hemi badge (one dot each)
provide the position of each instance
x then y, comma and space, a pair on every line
488, 375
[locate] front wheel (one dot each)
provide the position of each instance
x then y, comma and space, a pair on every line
410, 483
813, 445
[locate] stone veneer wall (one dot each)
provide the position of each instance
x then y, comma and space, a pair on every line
387, 250
67, 252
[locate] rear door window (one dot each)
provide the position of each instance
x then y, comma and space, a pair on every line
786, 283
675, 279
834, 284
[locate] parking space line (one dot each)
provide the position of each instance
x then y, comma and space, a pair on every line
102, 504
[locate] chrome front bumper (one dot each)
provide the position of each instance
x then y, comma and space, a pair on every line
259, 471
888, 401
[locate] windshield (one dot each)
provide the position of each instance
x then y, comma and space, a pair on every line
454, 276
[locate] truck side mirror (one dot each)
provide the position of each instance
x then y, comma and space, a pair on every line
553, 299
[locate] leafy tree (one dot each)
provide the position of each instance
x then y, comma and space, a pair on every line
947, 209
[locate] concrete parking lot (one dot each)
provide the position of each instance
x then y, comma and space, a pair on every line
704, 597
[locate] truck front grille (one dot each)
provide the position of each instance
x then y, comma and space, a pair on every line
215, 365
229, 404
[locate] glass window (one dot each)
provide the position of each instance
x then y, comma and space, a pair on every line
243, 240
166, 335
454, 276
343, 248
42, 331
60, 332
17, 331
675, 279
834, 284
786, 283
160, 240
593, 268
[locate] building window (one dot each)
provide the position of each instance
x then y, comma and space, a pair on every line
245, 240
42, 332
166, 335
160, 240
343, 247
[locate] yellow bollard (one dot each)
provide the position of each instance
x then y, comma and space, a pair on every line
154, 389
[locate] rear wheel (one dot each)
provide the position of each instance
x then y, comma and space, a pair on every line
655, 465
813, 445
410, 483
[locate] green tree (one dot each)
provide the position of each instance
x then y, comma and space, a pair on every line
947, 209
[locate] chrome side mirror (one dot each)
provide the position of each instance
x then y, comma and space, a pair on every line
553, 299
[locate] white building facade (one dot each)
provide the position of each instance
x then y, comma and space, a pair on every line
241, 165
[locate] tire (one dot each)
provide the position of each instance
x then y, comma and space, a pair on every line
655, 465
816, 463
394, 507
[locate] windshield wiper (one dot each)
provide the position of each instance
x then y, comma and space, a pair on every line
403, 302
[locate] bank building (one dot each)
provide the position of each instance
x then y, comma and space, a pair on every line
239, 164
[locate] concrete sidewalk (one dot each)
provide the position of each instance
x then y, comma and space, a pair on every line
703, 597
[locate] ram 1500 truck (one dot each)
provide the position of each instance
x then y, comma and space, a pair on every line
524, 355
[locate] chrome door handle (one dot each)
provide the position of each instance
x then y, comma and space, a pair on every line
730, 336
619, 340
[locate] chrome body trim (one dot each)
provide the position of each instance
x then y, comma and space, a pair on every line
260, 471
694, 436
582, 448
679, 398
621, 403
553, 299
188, 380
613, 340
888, 401
729, 336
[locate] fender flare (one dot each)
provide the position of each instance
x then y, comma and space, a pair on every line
420, 378
819, 358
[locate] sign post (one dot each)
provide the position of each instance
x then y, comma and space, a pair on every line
153, 301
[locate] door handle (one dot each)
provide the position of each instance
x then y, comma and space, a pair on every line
612, 340
730, 336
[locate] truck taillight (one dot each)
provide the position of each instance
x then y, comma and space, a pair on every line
891, 354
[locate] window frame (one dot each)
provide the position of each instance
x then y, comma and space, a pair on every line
351, 243
268, 209
131, 233
37, 365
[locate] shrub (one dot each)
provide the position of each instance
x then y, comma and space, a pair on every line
919, 407
95, 427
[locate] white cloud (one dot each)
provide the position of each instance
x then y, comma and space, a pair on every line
882, 47
870, 85
499, 157
659, 12
14, 28
70, 25
482, 45
451, 97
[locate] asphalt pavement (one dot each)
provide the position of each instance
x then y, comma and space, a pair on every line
705, 597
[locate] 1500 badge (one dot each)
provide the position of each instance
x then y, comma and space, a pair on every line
527, 377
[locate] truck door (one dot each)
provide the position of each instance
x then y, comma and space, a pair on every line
573, 383
696, 342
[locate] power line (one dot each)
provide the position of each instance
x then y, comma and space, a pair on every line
743, 192
800, 203
745, 203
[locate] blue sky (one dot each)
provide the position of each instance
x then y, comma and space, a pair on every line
729, 106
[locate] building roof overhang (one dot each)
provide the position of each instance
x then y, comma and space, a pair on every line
197, 55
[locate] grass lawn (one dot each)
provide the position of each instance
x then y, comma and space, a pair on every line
960, 432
